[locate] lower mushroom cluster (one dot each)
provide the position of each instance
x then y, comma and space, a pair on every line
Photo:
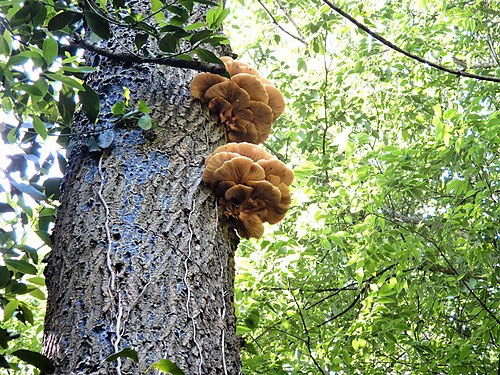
252, 186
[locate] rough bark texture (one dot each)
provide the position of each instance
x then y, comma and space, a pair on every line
140, 257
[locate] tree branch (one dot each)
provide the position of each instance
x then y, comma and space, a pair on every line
306, 330
391, 45
131, 58
279, 26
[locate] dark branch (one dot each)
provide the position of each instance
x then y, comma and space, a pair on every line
391, 45
131, 58
306, 330
279, 26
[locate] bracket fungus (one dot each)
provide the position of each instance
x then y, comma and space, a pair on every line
251, 184
246, 103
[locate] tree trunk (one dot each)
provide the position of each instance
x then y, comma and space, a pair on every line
140, 258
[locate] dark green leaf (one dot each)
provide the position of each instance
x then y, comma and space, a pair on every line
124, 353
18, 288
52, 187
169, 43
175, 30
4, 276
27, 313
200, 35
252, 320
21, 266
61, 20
207, 2
28, 189
98, 25
140, 40
3, 362
90, 103
35, 359
66, 105
118, 3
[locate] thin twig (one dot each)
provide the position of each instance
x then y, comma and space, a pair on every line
289, 18
391, 45
301, 40
306, 330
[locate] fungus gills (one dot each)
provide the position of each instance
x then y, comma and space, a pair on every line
251, 184
246, 104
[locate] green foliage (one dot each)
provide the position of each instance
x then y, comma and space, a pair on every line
388, 259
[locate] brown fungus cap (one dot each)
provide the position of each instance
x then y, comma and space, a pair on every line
246, 104
252, 186
276, 101
253, 86
202, 82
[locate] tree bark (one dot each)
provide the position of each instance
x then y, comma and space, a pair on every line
140, 257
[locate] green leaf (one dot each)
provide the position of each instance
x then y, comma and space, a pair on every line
208, 56
169, 43
37, 280
3, 362
175, 30
71, 82
50, 50
119, 109
39, 127
90, 103
167, 366
35, 359
4, 276
143, 107
52, 187
145, 122
124, 353
21, 266
252, 320
98, 24
9, 309
199, 36
194, 26
26, 312
61, 20
140, 40
66, 105
28, 189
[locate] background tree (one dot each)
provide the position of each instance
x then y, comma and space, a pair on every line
388, 261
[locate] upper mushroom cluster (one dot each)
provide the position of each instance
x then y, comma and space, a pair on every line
252, 186
246, 103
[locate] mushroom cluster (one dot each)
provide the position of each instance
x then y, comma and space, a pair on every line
252, 186
246, 103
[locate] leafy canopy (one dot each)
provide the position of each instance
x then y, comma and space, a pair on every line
389, 259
